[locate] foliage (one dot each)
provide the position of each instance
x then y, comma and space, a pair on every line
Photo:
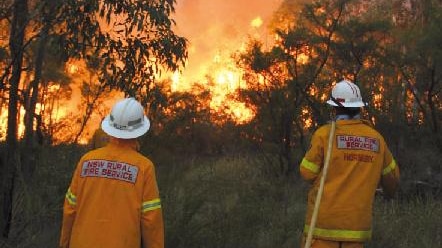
323, 42
218, 201
221, 184
125, 45
417, 50
129, 41
412, 224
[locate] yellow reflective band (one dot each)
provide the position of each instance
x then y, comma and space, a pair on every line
346, 234
151, 205
310, 166
389, 168
71, 198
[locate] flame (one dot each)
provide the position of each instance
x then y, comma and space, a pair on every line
3, 124
216, 30
211, 43
72, 68
224, 86
4, 121
257, 22
307, 118
176, 77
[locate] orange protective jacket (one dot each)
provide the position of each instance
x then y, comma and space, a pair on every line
113, 201
359, 160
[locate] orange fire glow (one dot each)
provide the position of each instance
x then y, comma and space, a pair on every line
215, 29
223, 82
57, 114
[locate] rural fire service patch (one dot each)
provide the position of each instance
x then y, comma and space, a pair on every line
357, 143
110, 169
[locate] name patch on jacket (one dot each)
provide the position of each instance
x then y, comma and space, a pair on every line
357, 143
109, 169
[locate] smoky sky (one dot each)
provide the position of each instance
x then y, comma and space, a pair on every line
218, 27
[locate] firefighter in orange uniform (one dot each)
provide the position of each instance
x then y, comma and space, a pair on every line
359, 160
113, 199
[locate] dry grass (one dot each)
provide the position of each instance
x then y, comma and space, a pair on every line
227, 201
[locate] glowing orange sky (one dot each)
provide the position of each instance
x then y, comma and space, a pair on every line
215, 30
218, 27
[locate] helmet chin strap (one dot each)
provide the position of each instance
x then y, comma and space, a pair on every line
347, 117
336, 102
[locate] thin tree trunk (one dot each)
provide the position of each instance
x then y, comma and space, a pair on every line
89, 109
431, 104
8, 169
29, 160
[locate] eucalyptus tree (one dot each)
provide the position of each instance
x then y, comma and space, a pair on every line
322, 43
18, 21
284, 80
129, 43
417, 56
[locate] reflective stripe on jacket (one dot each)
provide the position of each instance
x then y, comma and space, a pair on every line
113, 201
359, 159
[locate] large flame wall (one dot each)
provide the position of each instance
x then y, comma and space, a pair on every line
215, 30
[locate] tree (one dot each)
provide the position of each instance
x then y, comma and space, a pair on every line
286, 80
418, 50
322, 43
16, 40
129, 43
132, 41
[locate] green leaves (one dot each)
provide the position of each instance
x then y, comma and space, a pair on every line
330, 40
132, 40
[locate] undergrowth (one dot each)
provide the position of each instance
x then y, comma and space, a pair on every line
223, 201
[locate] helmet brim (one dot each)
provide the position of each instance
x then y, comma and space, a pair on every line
347, 104
125, 134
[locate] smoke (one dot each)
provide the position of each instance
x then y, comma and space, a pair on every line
218, 28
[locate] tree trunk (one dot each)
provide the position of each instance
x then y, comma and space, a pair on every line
90, 106
29, 161
10, 164
431, 104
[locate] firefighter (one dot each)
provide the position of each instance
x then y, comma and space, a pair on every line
359, 161
113, 199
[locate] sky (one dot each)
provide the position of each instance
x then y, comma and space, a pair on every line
214, 29
219, 28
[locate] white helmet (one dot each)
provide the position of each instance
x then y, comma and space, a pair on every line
126, 120
346, 94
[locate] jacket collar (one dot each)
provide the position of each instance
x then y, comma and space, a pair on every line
354, 121
347, 117
123, 143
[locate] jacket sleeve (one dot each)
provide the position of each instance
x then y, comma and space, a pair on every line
390, 174
152, 226
312, 162
69, 210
